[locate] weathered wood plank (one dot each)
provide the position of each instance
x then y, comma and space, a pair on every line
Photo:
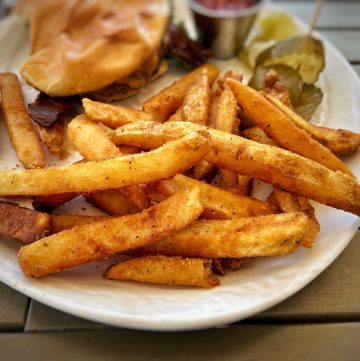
12, 309
332, 296
246, 342
339, 14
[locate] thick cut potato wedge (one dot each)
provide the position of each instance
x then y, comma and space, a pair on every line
273, 235
112, 202
218, 203
270, 164
279, 127
167, 101
23, 224
97, 240
196, 105
339, 141
83, 131
52, 201
67, 221
174, 271
258, 135
288, 202
18, 122
113, 116
91, 140
172, 158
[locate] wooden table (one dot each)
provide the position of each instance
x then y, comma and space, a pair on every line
320, 322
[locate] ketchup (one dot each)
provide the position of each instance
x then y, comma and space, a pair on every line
226, 4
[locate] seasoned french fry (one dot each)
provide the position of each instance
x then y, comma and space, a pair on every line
82, 132
172, 158
339, 141
91, 140
279, 127
112, 202
97, 240
167, 101
18, 122
196, 104
287, 202
113, 116
273, 235
52, 137
23, 224
218, 203
258, 135
273, 165
67, 221
174, 271
52, 201
177, 116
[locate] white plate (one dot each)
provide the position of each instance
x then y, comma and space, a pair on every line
256, 287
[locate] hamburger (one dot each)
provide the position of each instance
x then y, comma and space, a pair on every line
104, 49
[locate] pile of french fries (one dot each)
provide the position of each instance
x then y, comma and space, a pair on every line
175, 181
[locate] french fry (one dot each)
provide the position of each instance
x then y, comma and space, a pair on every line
287, 202
167, 101
112, 202
273, 165
218, 203
196, 104
339, 141
273, 235
23, 224
279, 127
162, 163
52, 137
113, 116
52, 201
177, 116
18, 122
83, 131
93, 241
258, 135
91, 140
175, 271
67, 221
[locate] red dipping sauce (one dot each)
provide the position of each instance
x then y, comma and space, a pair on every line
227, 5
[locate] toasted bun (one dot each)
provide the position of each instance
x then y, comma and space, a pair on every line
81, 46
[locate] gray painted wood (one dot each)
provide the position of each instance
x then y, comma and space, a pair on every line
13, 307
340, 14
44, 318
332, 296
331, 342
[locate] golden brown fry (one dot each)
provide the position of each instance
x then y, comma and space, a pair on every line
68, 221
167, 101
196, 104
287, 202
112, 202
236, 263
97, 240
273, 235
339, 141
218, 203
177, 116
82, 132
91, 140
113, 116
18, 122
258, 135
52, 137
273, 165
174, 271
174, 157
279, 127
23, 224
52, 201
